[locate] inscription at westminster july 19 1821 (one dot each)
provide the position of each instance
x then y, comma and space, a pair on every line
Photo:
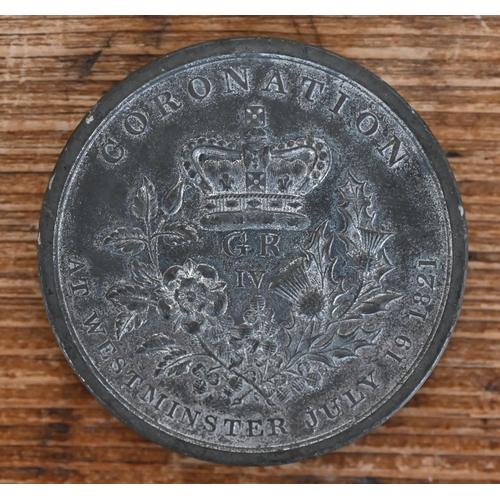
252, 251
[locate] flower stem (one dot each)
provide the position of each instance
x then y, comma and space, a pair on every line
183, 358
232, 370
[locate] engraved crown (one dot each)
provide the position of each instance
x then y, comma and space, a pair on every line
258, 182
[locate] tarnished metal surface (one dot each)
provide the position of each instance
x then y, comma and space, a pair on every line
252, 251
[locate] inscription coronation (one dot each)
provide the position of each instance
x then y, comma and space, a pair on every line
199, 88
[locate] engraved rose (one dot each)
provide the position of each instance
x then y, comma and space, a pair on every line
193, 292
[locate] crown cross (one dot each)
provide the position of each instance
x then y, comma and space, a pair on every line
258, 181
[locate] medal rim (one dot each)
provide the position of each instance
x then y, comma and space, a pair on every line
353, 71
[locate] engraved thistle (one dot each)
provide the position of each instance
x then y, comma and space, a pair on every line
257, 357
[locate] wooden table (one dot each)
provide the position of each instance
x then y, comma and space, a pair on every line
53, 70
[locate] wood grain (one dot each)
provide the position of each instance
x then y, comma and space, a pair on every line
53, 70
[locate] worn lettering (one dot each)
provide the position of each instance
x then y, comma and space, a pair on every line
269, 244
233, 77
199, 87
393, 146
107, 349
276, 84
94, 324
136, 123
80, 287
339, 104
352, 398
367, 123
112, 152
313, 87
165, 103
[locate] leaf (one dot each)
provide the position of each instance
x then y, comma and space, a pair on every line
319, 249
235, 361
124, 323
303, 367
356, 202
293, 333
189, 266
177, 233
145, 274
235, 383
278, 361
309, 337
127, 321
253, 344
215, 334
351, 245
179, 369
313, 379
260, 359
252, 375
283, 393
171, 366
321, 341
145, 204
199, 370
269, 347
258, 303
156, 343
200, 386
172, 200
226, 322
343, 352
223, 352
328, 360
127, 239
267, 390
376, 303
343, 346
298, 384
213, 378
271, 329
229, 393
379, 267
133, 297
174, 354
355, 211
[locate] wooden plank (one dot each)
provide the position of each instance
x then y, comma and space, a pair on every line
392, 25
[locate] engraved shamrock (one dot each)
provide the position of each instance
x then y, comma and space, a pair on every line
258, 319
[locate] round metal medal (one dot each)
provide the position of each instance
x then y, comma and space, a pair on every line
252, 251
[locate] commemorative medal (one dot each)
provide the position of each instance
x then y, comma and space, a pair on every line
252, 251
